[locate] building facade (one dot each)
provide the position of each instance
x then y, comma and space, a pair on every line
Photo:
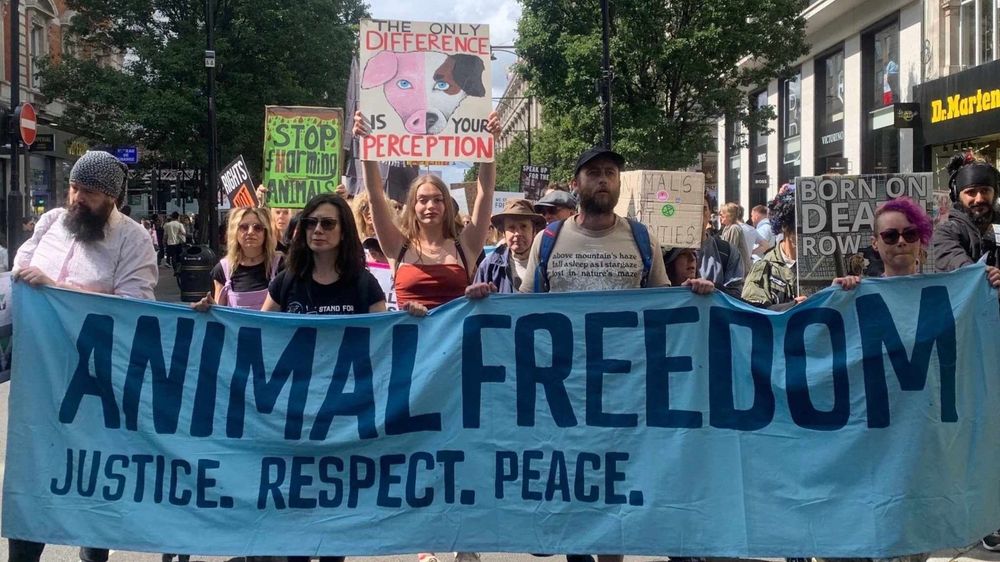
520, 114
44, 169
872, 96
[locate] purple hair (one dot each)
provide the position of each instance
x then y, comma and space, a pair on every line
913, 212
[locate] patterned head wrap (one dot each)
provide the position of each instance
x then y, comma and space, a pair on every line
99, 171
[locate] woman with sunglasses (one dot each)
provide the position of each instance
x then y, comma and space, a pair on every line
325, 270
903, 231
242, 277
435, 260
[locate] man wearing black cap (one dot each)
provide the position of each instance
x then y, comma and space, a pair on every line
596, 249
88, 246
969, 234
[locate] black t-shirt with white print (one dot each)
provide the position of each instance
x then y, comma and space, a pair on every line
340, 297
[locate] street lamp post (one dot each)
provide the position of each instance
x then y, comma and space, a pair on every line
15, 199
210, 196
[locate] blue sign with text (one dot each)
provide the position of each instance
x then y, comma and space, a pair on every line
127, 154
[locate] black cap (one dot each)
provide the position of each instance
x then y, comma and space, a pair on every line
598, 152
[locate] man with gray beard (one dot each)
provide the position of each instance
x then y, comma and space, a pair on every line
88, 246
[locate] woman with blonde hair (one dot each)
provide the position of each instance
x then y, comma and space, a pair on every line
241, 278
435, 261
363, 216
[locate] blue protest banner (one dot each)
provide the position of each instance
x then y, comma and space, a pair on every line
643, 422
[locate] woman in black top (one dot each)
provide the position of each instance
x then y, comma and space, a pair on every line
325, 269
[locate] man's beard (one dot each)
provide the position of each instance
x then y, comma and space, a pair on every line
590, 204
981, 219
86, 225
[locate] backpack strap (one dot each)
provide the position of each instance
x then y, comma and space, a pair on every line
465, 261
545, 247
641, 236
399, 258
226, 271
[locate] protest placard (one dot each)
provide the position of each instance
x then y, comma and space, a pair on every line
237, 184
670, 203
471, 189
500, 199
534, 180
834, 216
460, 197
302, 153
383, 274
425, 91
240, 433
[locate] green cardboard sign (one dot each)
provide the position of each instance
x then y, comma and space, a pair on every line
302, 153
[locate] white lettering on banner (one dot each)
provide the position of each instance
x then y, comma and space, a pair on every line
832, 138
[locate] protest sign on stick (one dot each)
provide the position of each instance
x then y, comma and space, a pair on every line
834, 216
534, 180
425, 91
670, 203
302, 153
238, 185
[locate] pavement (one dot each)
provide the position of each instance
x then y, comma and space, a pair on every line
168, 291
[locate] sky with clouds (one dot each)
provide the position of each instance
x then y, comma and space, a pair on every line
500, 15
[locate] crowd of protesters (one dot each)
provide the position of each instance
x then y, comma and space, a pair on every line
315, 261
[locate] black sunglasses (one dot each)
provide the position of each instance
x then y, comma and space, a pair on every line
891, 237
326, 222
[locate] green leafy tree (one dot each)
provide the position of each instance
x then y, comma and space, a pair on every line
676, 66
288, 53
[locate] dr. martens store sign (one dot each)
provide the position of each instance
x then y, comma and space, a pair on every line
961, 106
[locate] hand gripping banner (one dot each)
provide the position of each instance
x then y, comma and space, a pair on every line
654, 422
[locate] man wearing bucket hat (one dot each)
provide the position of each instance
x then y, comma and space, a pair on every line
87, 246
505, 267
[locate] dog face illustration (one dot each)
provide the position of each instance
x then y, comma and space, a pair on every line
425, 88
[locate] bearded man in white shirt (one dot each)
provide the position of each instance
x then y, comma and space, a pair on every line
88, 246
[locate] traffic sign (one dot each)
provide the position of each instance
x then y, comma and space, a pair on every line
127, 154
27, 121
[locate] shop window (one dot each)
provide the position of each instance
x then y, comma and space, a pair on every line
791, 127
829, 109
977, 32
41, 13
758, 142
734, 139
880, 60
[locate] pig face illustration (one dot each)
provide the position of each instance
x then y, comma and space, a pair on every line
425, 88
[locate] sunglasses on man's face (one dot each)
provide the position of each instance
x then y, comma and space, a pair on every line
256, 227
326, 222
891, 236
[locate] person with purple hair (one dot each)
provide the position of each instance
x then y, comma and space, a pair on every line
902, 229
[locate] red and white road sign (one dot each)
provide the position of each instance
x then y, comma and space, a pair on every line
27, 123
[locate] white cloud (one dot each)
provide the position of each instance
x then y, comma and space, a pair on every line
501, 15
